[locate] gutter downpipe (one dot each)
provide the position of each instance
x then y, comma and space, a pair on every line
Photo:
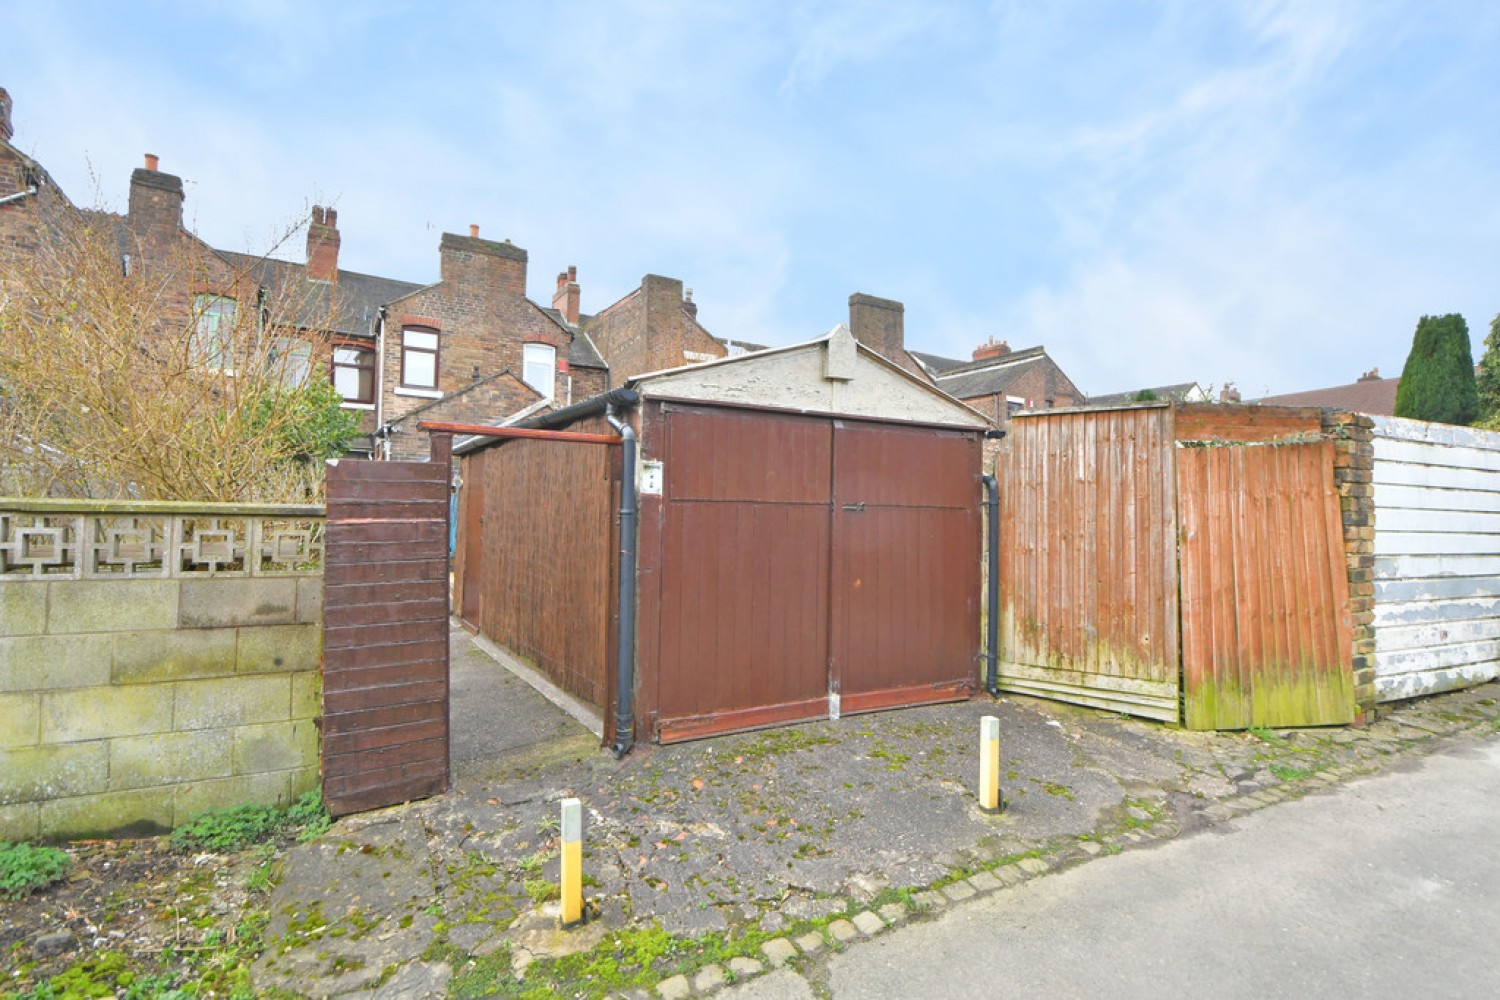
29, 192
992, 591
625, 641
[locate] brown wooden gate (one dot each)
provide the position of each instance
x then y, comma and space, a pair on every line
1118, 524
385, 632
1088, 560
906, 575
810, 566
1266, 634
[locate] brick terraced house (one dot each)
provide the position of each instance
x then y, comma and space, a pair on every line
999, 381
468, 348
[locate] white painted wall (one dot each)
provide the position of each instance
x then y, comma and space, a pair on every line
1437, 557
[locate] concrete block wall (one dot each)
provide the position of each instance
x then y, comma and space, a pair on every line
128, 705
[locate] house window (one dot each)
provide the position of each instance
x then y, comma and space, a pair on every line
419, 358
289, 361
213, 332
538, 367
354, 373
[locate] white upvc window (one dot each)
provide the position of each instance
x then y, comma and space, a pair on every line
419, 358
353, 373
539, 367
213, 332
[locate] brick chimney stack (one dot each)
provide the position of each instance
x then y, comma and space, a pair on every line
6, 129
1373, 375
155, 209
991, 348
323, 244
1229, 394
688, 305
482, 267
566, 299
879, 324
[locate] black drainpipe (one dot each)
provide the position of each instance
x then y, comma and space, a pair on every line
992, 591
625, 653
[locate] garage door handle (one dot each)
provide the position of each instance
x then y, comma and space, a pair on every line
854, 508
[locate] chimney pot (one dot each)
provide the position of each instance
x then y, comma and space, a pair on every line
566, 299
473, 232
991, 348
152, 161
1373, 375
1229, 394
317, 215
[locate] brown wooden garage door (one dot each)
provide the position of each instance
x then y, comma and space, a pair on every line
812, 566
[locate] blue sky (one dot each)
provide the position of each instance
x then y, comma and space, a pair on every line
1265, 193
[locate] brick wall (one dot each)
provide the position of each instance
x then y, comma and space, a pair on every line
1353, 475
651, 329
21, 221
489, 401
1040, 383
134, 694
481, 314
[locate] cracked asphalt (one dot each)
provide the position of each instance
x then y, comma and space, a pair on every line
762, 830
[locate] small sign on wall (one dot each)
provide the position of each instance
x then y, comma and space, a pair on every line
651, 479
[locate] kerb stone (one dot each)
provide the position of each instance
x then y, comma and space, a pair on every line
675, 988
778, 952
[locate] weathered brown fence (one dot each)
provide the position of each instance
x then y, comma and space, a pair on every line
1088, 559
1265, 622
1148, 547
385, 638
536, 566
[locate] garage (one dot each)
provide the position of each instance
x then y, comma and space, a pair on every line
808, 544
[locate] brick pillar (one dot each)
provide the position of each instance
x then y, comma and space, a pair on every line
1353, 476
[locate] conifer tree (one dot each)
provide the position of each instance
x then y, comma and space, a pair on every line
1487, 381
1438, 381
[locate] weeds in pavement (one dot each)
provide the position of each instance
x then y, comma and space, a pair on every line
25, 869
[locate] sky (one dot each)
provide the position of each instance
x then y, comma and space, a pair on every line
1264, 193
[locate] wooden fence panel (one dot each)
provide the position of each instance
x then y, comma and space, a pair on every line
385, 646
1437, 557
1088, 559
539, 538
1266, 633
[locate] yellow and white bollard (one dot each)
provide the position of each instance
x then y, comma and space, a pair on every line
572, 863
989, 765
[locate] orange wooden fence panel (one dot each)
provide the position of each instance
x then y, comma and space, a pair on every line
1265, 622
